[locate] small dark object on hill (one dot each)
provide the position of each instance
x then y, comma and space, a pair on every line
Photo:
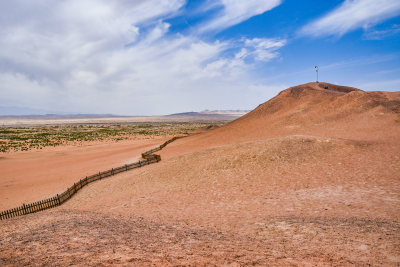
326, 87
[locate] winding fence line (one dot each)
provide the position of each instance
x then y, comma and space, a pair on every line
59, 199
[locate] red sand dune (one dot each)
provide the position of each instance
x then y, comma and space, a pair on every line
309, 109
311, 177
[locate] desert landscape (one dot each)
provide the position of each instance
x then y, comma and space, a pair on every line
310, 177
200, 133
39, 161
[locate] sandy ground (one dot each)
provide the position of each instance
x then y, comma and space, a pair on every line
310, 178
34, 175
307, 110
286, 201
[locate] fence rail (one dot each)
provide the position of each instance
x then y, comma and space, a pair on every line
59, 199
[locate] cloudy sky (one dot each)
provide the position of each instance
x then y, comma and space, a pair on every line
148, 57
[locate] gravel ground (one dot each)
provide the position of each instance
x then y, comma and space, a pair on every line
86, 238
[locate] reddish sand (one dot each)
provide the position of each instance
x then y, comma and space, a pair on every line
34, 175
311, 177
340, 112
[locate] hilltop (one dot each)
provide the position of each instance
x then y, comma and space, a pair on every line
312, 109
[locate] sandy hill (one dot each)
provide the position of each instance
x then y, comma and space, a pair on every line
335, 111
313, 109
311, 177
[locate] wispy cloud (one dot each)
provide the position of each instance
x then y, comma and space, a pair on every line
233, 12
350, 15
262, 49
382, 34
117, 57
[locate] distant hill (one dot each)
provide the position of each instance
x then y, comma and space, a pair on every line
32, 113
214, 114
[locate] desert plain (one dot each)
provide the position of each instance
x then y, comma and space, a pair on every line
310, 178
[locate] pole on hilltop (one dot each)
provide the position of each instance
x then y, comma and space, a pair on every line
316, 69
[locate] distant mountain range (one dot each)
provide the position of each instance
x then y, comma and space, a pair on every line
211, 113
10, 111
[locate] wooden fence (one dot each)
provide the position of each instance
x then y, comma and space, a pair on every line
59, 199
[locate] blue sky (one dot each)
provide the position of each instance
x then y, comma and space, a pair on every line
148, 57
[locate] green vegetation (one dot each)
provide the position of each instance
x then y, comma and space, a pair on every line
26, 138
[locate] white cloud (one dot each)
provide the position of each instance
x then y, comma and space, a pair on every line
236, 11
117, 57
29, 92
263, 49
350, 15
53, 38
